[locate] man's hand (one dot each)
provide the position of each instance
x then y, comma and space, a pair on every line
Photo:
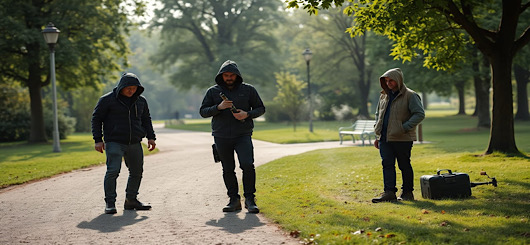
100, 146
224, 104
151, 145
376, 144
241, 114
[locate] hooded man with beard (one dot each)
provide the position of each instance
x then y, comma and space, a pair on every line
398, 112
232, 131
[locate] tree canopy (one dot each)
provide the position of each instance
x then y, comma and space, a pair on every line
90, 48
199, 35
437, 29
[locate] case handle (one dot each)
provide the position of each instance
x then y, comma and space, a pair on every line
448, 170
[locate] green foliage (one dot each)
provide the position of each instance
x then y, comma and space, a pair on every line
90, 47
65, 123
158, 85
290, 95
440, 31
83, 101
14, 119
197, 36
275, 112
312, 6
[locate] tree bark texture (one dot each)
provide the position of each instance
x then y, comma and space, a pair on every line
522, 77
482, 95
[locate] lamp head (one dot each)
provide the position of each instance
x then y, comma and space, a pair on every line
307, 54
51, 34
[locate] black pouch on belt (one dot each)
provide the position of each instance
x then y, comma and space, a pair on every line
216, 157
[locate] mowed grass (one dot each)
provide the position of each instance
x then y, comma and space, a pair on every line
21, 162
324, 196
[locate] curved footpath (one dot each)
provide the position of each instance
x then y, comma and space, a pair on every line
181, 182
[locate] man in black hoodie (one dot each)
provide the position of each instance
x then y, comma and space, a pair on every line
124, 116
232, 131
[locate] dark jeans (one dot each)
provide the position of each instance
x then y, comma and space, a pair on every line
245, 154
134, 160
390, 151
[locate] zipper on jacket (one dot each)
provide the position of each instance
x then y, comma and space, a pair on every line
130, 127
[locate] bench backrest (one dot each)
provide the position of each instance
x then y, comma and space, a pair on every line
365, 125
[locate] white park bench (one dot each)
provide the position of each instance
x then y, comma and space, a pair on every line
363, 129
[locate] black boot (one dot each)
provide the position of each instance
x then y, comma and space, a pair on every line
110, 208
250, 204
133, 203
406, 196
233, 205
388, 196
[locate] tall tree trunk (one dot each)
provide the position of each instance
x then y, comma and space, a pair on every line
522, 77
365, 74
502, 135
482, 96
460, 88
364, 88
37, 131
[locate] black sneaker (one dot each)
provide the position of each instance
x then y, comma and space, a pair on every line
110, 208
133, 203
387, 196
233, 205
250, 204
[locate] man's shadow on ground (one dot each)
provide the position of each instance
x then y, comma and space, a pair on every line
233, 224
112, 223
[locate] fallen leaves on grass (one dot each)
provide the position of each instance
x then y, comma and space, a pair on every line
295, 234
444, 223
425, 211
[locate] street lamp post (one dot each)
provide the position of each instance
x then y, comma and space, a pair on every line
307, 56
51, 34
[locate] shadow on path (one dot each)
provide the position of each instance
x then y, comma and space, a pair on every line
112, 223
233, 224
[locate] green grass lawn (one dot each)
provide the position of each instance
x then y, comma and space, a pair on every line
21, 162
323, 196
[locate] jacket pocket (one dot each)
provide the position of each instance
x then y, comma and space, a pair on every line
395, 130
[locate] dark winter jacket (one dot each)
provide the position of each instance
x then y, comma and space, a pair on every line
244, 97
124, 120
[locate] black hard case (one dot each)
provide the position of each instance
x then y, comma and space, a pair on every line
446, 185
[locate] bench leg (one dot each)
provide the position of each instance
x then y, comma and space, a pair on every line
340, 136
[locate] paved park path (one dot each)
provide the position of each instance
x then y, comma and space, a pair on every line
181, 182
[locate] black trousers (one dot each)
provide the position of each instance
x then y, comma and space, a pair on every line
400, 151
244, 149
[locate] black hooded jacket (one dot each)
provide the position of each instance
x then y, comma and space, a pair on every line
244, 97
124, 120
